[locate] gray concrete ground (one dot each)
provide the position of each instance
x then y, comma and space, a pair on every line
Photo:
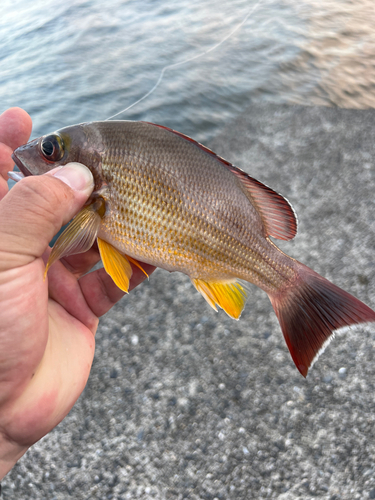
185, 403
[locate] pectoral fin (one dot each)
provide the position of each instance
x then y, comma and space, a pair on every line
116, 264
230, 296
78, 237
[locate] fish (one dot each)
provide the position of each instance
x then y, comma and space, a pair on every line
164, 199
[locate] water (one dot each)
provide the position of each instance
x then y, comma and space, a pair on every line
80, 60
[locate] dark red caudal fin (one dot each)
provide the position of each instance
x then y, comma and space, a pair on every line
311, 310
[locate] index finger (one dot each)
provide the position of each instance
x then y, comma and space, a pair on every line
15, 127
15, 130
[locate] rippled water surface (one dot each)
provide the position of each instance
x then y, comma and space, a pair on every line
72, 61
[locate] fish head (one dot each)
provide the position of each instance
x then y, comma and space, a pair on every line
70, 144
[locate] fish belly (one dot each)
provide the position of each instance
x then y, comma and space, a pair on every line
158, 230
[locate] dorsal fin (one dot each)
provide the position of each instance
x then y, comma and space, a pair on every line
278, 216
276, 212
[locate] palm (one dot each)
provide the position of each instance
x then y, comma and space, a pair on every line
50, 364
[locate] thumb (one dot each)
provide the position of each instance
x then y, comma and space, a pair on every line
36, 209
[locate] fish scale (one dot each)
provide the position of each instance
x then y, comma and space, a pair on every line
214, 247
214, 251
164, 199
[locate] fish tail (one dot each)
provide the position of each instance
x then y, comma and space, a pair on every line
310, 310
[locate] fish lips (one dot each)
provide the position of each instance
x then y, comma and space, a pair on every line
22, 156
20, 165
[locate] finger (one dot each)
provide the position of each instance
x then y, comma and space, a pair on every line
82, 263
64, 289
100, 291
15, 129
85, 299
6, 165
36, 208
93, 294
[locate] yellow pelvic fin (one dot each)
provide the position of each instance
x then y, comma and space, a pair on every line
230, 296
136, 263
78, 237
116, 264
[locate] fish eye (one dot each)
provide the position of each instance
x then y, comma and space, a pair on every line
52, 147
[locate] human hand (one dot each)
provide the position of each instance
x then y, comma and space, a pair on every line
47, 327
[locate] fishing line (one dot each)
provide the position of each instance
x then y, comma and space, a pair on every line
185, 61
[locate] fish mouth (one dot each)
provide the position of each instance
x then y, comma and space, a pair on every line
20, 165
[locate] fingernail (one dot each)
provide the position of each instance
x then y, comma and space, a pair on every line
76, 176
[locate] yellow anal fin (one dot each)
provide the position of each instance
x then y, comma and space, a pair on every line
78, 237
116, 264
230, 296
